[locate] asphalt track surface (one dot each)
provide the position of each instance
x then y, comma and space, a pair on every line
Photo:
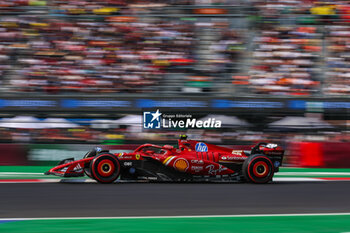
165, 199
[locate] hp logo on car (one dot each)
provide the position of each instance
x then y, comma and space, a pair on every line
201, 147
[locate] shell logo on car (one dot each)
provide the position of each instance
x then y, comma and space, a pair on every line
181, 165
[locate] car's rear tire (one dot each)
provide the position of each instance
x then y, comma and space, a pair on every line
105, 168
258, 169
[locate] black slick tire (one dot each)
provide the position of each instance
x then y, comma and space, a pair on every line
105, 168
258, 169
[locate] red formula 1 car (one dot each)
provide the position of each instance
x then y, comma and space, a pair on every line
191, 161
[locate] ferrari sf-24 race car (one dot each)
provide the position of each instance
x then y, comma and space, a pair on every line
191, 161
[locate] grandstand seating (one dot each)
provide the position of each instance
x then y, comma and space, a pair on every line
338, 60
272, 47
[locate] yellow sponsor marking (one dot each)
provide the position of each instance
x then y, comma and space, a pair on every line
166, 160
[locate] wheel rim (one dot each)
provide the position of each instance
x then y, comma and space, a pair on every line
260, 169
106, 168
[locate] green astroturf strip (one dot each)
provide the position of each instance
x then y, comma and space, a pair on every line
30, 177
311, 175
34, 169
273, 224
29, 169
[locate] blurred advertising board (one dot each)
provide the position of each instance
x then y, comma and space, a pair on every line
12, 154
195, 104
48, 153
319, 154
210, 11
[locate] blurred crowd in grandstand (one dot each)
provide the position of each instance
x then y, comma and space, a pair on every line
97, 46
231, 47
286, 60
296, 47
299, 49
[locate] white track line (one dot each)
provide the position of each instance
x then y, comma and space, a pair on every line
180, 216
291, 179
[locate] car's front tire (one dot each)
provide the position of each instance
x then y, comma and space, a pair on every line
91, 153
105, 168
258, 169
